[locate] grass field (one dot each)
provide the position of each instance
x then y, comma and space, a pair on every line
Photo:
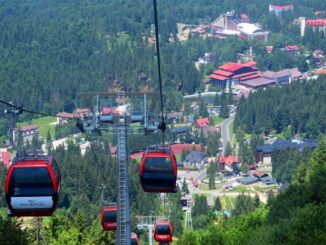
241, 189
264, 189
217, 120
44, 125
227, 202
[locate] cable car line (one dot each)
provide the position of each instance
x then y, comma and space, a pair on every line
162, 125
34, 112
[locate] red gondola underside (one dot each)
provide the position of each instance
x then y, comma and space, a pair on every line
109, 218
158, 171
163, 231
32, 186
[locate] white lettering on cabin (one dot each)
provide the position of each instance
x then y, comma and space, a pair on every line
31, 202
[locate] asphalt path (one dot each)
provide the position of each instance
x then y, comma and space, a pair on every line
226, 136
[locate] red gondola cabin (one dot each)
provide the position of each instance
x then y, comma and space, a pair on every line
163, 231
134, 239
32, 185
158, 170
109, 218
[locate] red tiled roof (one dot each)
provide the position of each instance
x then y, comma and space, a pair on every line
214, 76
291, 48
251, 166
244, 16
249, 77
65, 115
203, 122
320, 71
229, 160
108, 110
259, 174
28, 128
223, 73
245, 74
284, 7
250, 63
231, 66
316, 22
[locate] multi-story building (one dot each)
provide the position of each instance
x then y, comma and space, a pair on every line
251, 32
27, 133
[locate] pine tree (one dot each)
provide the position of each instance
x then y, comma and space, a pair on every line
228, 149
184, 188
217, 204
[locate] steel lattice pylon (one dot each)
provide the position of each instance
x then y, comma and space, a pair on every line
121, 123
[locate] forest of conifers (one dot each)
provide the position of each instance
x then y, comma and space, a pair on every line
50, 51
299, 108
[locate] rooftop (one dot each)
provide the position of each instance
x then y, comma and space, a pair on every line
203, 122
229, 160
258, 82
28, 128
231, 66
282, 144
249, 28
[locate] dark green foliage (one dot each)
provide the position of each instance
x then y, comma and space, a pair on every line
296, 216
287, 161
243, 205
224, 112
228, 149
176, 212
200, 212
286, 108
11, 232
213, 143
217, 204
184, 188
211, 172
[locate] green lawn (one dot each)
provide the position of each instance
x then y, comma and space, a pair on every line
227, 202
122, 37
267, 188
241, 189
248, 136
44, 125
217, 120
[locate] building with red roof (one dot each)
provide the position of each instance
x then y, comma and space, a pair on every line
202, 122
64, 117
316, 22
234, 72
279, 9
292, 49
229, 163
27, 133
82, 112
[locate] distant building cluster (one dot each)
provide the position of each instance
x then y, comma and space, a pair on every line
64, 117
233, 24
264, 152
230, 24
250, 77
279, 9
316, 24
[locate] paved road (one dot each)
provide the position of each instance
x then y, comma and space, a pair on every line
226, 137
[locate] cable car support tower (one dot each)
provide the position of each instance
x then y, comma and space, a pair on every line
106, 119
